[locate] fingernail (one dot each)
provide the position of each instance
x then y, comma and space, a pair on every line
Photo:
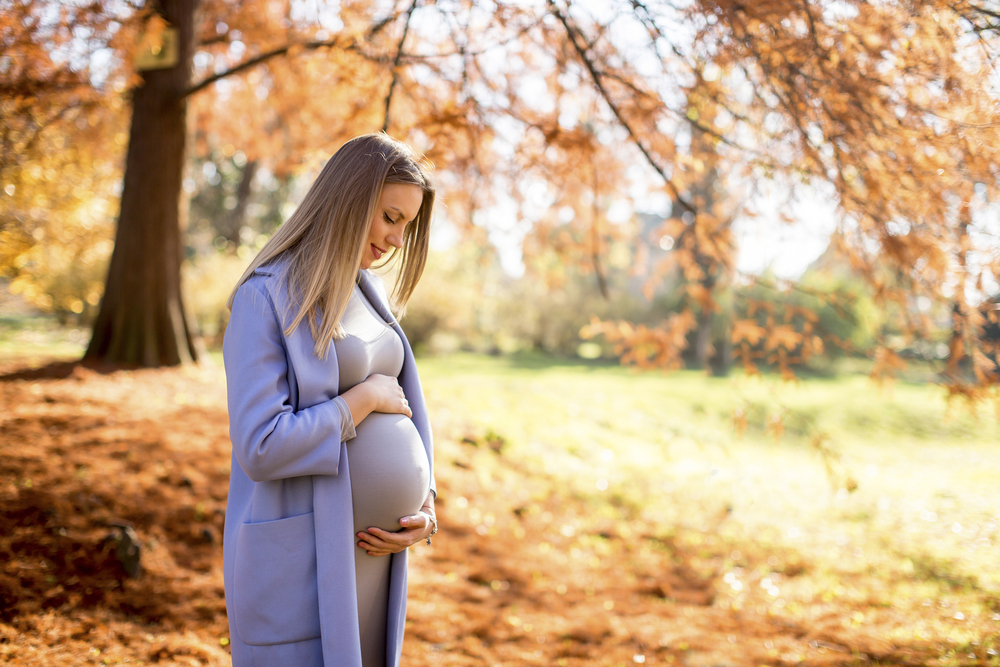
404, 521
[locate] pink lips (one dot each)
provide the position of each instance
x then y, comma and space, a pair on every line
378, 252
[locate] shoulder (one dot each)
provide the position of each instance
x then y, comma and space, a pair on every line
253, 296
253, 318
267, 281
265, 288
271, 273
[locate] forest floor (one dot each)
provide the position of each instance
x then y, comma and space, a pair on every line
589, 516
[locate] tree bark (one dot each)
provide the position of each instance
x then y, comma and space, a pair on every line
141, 320
703, 339
243, 194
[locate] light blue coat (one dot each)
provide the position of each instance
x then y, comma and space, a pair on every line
289, 540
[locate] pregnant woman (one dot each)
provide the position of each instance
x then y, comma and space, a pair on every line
332, 472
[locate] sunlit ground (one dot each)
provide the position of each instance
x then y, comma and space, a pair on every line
590, 515
917, 535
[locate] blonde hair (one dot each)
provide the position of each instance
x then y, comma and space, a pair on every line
324, 240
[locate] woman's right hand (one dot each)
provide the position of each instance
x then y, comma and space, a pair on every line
387, 395
378, 393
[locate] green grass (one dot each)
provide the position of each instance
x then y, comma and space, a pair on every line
663, 449
32, 339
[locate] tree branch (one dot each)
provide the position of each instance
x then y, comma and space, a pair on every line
395, 65
595, 250
574, 38
42, 126
349, 45
257, 60
995, 14
464, 51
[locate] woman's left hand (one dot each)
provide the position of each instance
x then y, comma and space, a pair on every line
418, 527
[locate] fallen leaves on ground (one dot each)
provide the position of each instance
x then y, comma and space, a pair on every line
519, 575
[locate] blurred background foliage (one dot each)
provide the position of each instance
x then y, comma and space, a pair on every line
466, 301
620, 157
59, 209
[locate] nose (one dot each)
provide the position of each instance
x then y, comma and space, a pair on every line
395, 239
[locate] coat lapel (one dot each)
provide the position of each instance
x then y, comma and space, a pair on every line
375, 296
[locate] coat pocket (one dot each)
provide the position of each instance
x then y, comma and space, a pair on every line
274, 580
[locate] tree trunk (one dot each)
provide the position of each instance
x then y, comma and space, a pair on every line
141, 320
237, 218
722, 362
959, 350
703, 339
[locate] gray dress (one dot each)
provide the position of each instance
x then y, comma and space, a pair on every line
388, 463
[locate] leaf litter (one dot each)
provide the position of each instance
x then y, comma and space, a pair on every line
523, 572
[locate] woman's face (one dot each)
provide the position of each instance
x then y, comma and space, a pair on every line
398, 206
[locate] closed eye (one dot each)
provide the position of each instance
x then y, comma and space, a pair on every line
388, 219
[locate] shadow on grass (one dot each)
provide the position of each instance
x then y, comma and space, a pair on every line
944, 571
60, 370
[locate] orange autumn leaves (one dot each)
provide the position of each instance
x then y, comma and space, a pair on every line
891, 106
558, 112
777, 336
644, 346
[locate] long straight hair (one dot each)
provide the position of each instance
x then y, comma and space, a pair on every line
325, 239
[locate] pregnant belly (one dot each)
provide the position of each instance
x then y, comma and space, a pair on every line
389, 472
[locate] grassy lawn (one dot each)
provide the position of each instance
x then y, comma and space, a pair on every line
889, 498
31, 340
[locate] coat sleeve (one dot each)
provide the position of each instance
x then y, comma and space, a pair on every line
271, 440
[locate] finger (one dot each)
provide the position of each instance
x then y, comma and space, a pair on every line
370, 550
374, 535
398, 541
392, 539
380, 550
375, 550
415, 521
369, 543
